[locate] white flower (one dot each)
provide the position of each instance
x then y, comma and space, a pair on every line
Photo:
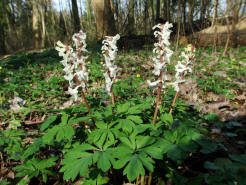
73, 92
109, 50
74, 62
153, 84
162, 51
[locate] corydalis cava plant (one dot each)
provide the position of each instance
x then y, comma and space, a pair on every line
182, 68
109, 50
163, 55
74, 63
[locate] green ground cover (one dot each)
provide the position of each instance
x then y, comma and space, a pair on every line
48, 138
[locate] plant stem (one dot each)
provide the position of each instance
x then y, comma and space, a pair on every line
86, 103
157, 100
142, 180
137, 181
173, 103
176, 95
150, 179
112, 95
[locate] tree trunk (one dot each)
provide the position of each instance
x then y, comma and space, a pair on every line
2, 28
236, 6
42, 17
190, 15
2, 40
88, 7
152, 13
215, 12
202, 14
104, 18
35, 24
75, 11
184, 15
146, 13
158, 11
179, 16
168, 10
130, 17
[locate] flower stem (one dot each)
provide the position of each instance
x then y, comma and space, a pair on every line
150, 179
142, 180
157, 100
173, 103
112, 95
176, 95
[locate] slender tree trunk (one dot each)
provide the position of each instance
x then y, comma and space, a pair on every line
190, 15
88, 7
35, 24
214, 25
215, 12
157, 11
76, 21
168, 10
202, 15
2, 39
184, 15
2, 27
236, 6
42, 17
146, 13
178, 32
228, 27
104, 18
152, 13
130, 17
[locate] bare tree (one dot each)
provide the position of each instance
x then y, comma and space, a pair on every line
215, 12
179, 21
157, 11
130, 17
75, 11
191, 4
35, 18
104, 18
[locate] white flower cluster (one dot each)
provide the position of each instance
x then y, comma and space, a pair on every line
163, 52
74, 63
183, 67
109, 50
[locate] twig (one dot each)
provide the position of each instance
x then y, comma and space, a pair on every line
35, 122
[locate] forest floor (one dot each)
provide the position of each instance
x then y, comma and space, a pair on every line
32, 88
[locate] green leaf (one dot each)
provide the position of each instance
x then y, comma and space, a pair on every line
49, 136
136, 119
103, 162
134, 168
167, 118
207, 146
48, 121
76, 162
143, 141
60, 134
211, 166
32, 148
239, 158
123, 108
46, 163
127, 125
64, 118
127, 142
78, 120
68, 131
101, 125
147, 162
